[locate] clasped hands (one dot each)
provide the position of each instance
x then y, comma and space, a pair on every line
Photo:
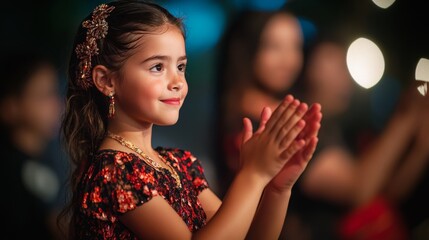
280, 149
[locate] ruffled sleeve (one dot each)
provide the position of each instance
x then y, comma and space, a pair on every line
122, 183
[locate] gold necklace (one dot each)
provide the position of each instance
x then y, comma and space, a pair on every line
146, 158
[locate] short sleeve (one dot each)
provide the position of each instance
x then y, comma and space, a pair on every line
121, 184
196, 172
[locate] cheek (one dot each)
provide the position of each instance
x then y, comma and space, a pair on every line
267, 60
185, 90
263, 64
139, 93
297, 59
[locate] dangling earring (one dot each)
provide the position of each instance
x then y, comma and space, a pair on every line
111, 105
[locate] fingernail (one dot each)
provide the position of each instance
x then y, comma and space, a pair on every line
288, 98
295, 103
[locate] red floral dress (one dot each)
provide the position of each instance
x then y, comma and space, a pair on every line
117, 182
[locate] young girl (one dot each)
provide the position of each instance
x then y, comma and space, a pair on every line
127, 73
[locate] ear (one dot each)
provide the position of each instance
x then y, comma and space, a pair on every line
101, 76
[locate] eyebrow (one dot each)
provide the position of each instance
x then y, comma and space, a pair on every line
163, 58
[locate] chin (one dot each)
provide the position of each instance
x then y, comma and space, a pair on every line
167, 122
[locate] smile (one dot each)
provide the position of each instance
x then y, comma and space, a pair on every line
171, 101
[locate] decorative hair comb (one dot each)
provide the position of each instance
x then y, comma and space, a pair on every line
96, 29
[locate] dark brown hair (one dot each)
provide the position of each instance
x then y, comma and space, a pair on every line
238, 49
84, 124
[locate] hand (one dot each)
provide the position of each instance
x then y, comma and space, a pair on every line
291, 171
267, 150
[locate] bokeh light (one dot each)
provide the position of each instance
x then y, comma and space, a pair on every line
423, 89
365, 62
204, 23
422, 70
309, 30
259, 4
383, 3
422, 74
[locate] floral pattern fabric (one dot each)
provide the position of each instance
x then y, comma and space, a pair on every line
117, 182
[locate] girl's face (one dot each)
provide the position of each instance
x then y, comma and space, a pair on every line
152, 86
279, 58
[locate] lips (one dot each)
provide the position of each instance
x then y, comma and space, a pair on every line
171, 101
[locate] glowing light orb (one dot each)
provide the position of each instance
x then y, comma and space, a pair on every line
422, 70
423, 89
365, 62
383, 3
422, 74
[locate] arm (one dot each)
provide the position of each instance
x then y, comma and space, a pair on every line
377, 164
408, 175
263, 155
156, 219
339, 176
415, 162
269, 219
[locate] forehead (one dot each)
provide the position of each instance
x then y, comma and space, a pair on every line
282, 25
167, 40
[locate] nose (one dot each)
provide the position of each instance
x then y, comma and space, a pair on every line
177, 82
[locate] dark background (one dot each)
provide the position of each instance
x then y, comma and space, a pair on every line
400, 31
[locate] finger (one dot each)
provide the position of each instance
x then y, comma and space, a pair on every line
278, 112
282, 119
289, 120
312, 113
310, 148
310, 130
296, 146
315, 107
292, 134
265, 116
247, 130
313, 123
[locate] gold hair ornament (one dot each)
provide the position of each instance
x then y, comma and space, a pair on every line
96, 29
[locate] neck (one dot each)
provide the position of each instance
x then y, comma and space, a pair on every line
28, 142
140, 134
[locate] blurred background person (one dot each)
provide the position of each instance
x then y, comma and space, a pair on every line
261, 56
31, 170
408, 185
343, 192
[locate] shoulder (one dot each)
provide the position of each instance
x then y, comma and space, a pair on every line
111, 156
112, 167
183, 157
177, 154
116, 182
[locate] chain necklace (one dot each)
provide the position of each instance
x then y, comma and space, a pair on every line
146, 158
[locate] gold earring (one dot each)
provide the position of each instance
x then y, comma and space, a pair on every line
111, 105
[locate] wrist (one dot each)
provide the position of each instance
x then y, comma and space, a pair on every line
252, 177
284, 191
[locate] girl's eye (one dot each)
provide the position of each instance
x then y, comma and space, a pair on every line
157, 68
182, 67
